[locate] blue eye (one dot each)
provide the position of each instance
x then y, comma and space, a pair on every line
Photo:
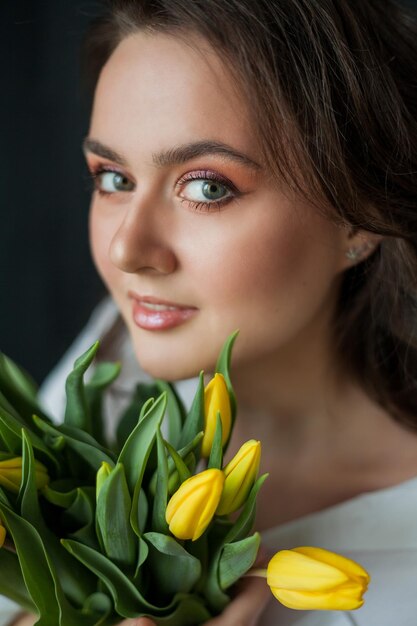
200, 190
107, 182
205, 190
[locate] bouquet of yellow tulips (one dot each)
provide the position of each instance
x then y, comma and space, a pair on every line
92, 532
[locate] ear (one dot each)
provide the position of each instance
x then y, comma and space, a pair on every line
359, 244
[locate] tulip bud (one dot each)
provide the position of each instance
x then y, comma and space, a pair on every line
191, 508
2, 534
102, 475
313, 578
240, 475
216, 398
11, 474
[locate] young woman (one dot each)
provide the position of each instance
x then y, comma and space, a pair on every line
254, 167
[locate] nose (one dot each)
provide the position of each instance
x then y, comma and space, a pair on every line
142, 242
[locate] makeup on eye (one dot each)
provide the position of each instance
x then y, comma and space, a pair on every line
206, 189
200, 189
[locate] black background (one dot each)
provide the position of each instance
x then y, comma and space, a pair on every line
48, 285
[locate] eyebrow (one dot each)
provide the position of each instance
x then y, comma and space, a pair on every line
175, 156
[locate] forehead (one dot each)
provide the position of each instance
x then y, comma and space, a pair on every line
159, 89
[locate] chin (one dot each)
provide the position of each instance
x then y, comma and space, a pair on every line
170, 365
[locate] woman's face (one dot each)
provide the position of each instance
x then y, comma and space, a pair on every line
185, 213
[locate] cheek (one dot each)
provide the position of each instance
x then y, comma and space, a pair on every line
264, 258
270, 275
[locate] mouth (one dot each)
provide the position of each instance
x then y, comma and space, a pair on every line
152, 313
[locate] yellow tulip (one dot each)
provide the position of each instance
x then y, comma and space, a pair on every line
240, 474
11, 474
216, 399
191, 508
2, 534
313, 578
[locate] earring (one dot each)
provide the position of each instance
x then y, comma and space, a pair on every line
353, 254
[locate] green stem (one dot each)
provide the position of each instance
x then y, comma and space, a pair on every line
261, 573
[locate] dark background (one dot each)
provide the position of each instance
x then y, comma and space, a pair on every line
48, 285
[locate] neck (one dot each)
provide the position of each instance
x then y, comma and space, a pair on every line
292, 391
314, 419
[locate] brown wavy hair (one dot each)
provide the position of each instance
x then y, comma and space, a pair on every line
332, 90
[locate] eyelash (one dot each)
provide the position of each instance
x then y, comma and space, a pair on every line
216, 178
95, 175
196, 175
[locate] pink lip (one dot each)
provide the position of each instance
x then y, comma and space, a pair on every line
159, 320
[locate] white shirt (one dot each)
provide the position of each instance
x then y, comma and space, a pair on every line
377, 529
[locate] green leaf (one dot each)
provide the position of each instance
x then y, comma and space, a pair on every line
216, 453
34, 565
57, 443
137, 449
190, 611
12, 584
194, 422
113, 511
41, 579
243, 525
183, 471
14, 376
189, 460
79, 517
19, 388
127, 422
142, 556
223, 367
11, 430
77, 410
127, 599
241, 528
173, 568
80, 435
159, 522
104, 374
28, 494
236, 559
174, 479
9, 433
59, 497
76, 581
216, 598
143, 510
3, 498
5, 404
176, 411
81, 443
99, 604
